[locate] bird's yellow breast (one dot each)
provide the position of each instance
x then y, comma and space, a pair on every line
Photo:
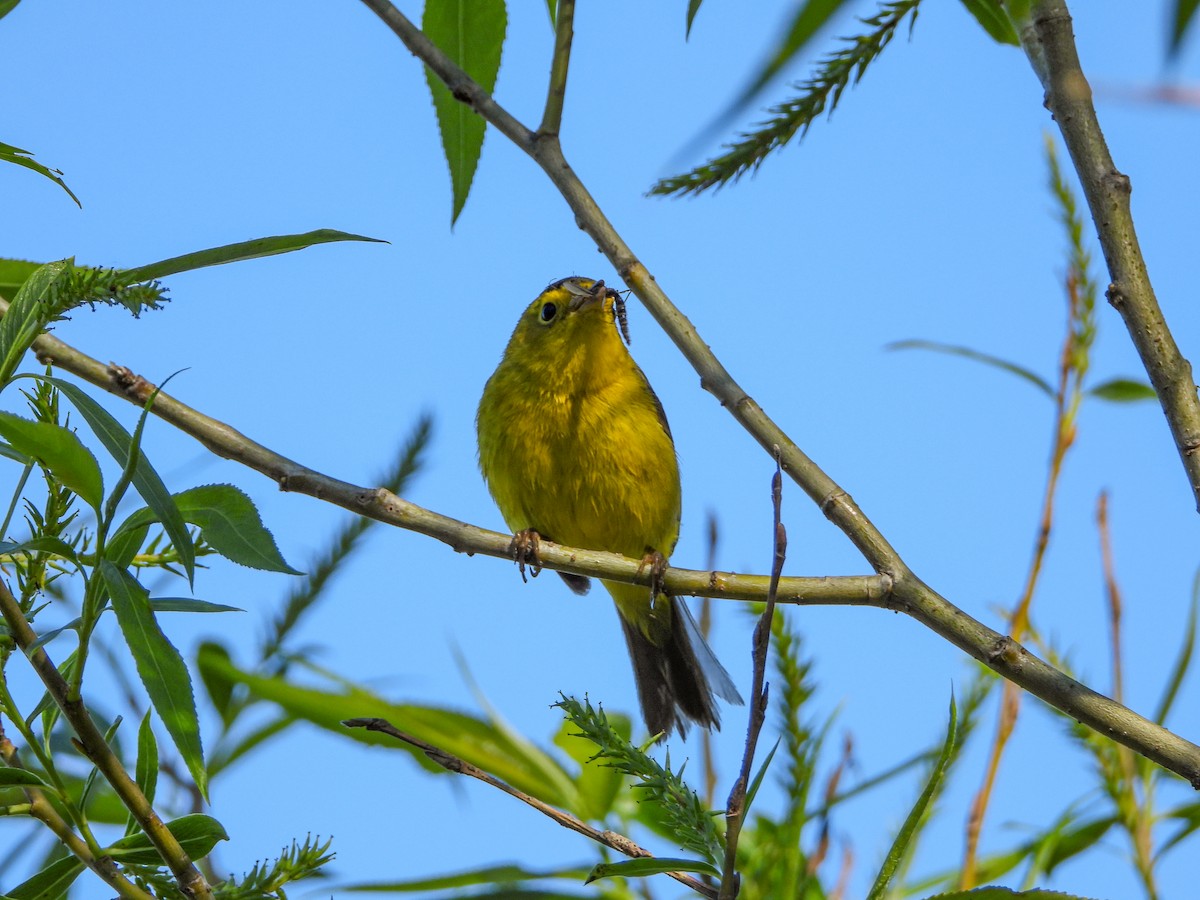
572, 440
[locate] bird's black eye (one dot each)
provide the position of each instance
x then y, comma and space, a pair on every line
549, 311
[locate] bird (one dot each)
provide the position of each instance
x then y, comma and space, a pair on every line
575, 448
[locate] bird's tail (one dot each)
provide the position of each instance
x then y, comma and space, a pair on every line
678, 675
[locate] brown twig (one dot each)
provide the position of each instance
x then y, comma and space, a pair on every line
452, 763
556, 91
735, 809
95, 747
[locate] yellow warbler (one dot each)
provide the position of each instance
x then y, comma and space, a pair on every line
575, 448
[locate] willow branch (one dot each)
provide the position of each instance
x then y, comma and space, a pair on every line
43, 810
1050, 44
96, 748
451, 763
908, 593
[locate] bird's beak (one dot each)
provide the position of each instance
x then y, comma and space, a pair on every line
582, 296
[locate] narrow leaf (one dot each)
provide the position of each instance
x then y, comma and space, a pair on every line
197, 834
471, 33
1124, 390
985, 358
465, 736
9, 153
146, 768
913, 822
485, 875
60, 451
189, 605
10, 777
51, 883
160, 667
1182, 662
7, 6
756, 782
693, 8
995, 21
650, 865
146, 480
217, 256
1181, 21
45, 544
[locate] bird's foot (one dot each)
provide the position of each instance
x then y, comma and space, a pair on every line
658, 568
525, 550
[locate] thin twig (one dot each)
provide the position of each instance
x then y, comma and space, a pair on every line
1066, 403
93, 744
452, 763
735, 809
1049, 43
557, 91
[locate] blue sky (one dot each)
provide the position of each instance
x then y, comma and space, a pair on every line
919, 211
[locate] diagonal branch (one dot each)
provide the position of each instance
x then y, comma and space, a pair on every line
92, 741
452, 763
908, 593
1049, 42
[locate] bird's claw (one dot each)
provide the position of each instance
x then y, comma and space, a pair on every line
524, 549
658, 568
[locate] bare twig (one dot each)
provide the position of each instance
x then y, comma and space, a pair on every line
452, 763
557, 91
1050, 44
735, 809
93, 744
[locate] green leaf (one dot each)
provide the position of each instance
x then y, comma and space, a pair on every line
1181, 21
1124, 390
60, 451
467, 737
160, 667
189, 605
10, 777
14, 273
598, 784
28, 315
471, 33
810, 17
1183, 661
52, 545
219, 687
912, 824
651, 865
985, 358
232, 526
9, 153
7, 6
756, 782
486, 875
146, 768
51, 883
146, 480
552, 8
217, 256
693, 8
995, 21
197, 834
